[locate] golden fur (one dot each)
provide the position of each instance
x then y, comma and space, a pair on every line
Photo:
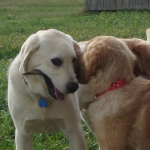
141, 49
119, 118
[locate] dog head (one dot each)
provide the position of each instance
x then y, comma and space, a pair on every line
141, 49
142, 52
108, 59
47, 63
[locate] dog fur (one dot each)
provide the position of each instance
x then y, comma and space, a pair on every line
46, 58
141, 49
118, 118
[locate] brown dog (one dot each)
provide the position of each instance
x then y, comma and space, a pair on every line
115, 104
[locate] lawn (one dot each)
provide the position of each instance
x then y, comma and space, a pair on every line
19, 19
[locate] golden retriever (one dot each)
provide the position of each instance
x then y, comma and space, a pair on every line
114, 102
42, 88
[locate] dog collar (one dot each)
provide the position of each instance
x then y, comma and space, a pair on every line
25, 81
42, 103
113, 87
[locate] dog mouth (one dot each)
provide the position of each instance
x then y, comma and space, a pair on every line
52, 90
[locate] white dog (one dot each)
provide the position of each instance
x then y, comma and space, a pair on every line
41, 84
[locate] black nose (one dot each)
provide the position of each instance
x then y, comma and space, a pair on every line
72, 87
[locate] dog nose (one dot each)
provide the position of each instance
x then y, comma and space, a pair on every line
72, 87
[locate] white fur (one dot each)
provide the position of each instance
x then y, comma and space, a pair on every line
82, 45
148, 34
23, 100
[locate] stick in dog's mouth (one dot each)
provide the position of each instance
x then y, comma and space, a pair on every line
53, 91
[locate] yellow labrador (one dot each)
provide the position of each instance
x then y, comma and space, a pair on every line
42, 89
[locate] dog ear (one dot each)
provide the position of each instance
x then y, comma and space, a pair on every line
95, 59
77, 48
80, 64
89, 61
142, 52
30, 45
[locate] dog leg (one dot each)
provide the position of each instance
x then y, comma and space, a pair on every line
76, 138
23, 141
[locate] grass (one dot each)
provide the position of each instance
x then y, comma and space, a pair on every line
19, 19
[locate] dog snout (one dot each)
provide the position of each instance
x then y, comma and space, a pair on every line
72, 87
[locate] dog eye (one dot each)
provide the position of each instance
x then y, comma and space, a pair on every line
56, 61
74, 60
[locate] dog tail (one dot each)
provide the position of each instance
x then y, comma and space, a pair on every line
148, 34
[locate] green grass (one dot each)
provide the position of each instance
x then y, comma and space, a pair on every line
20, 18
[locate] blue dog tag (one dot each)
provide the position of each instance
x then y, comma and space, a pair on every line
42, 103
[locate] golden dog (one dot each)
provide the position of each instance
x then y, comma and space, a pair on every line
114, 102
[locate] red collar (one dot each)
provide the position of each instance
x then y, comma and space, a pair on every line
113, 87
